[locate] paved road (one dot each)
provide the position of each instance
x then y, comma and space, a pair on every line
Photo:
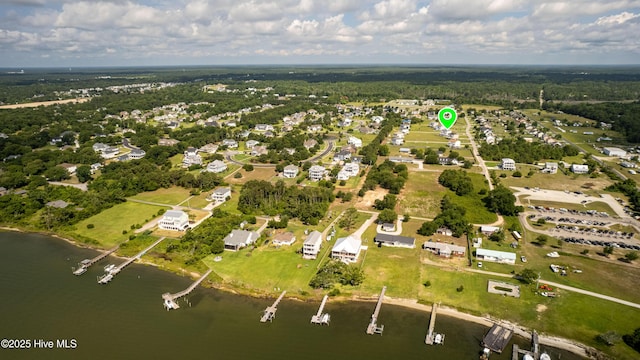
476, 154
82, 187
229, 157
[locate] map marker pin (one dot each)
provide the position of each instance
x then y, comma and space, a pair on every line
447, 117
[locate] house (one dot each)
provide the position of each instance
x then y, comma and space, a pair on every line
377, 119
264, 127
250, 144
110, 152
174, 220
400, 159
454, 144
508, 164
167, 142
290, 171
443, 249
314, 128
445, 160
351, 169
395, 240
308, 144
100, 147
124, 157
444, 231
579, 169
230, 143
311, 245
95, 167
342, 155
397, 140
628, 165
136, 154
191, 151
216, 166
316, 172
405, 150
347, 249
269, 134
346, 122
190, 160
354, 141
285, 238
389, 227
209, 148
221, 195
496, 256
614, 151
488, 230
238, 239
71, 169
244, 134
259, 150
550, 168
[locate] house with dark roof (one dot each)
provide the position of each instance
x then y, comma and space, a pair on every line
395, 240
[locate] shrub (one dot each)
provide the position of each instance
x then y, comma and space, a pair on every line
90, 226
460, 288
426, 283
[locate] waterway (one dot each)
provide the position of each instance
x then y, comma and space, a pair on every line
125, 319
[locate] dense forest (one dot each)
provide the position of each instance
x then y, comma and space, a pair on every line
525, 152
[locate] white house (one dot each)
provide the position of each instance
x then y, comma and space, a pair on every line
550, 168
136, 154
250, 144
189, 160
348, 170
311, 245
342, 155
355, 141
110, 152
614, 151
444, 249
238, 239
508, 164
216, 166
488, 230
290, 171
316, 172
285, 238
221, 195
347, 249
454, 144
496, 256
174, 220
71, 169
230, 143
396, 140
579, 169
209, 148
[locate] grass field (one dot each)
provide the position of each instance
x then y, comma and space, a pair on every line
596, 205
557, 181
171, 196
421, 195
109, 224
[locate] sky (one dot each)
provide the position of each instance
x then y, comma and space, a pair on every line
45, 33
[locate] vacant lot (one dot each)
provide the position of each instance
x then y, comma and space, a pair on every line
109, 224
170, 196
421, 195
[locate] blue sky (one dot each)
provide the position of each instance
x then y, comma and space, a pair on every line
35, 33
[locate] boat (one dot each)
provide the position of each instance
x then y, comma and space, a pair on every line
545, 356
170, 305
79, 271
109, 267
527, 357
486, 352
439, 339
325, 319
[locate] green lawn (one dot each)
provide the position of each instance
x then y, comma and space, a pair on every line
171, 196
421, 195
109, 224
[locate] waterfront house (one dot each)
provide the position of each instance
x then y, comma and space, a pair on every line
174, 220
347, 249
285, 238
311, 245
443, 249
238, 239
395, 240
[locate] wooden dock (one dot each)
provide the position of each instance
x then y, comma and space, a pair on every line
86, 263
373, 327
270, 312
497, 338
170, 299
533, 354
432, 324
321, 318
111, 274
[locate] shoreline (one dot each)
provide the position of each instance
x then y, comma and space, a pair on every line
553, 341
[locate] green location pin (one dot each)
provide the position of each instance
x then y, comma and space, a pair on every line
447, 117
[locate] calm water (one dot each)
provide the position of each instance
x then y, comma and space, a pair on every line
125, 319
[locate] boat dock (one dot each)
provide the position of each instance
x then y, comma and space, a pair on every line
84, 265
170, 299
497, 338
373, 327
321, 318
533, 354
270, 312
110, 274
431, 336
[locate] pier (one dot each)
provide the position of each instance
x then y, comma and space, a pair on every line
321, 318
110, 274
373, 327
170, 299
433, 338
270, 312
84, 265
533, 354
497, 338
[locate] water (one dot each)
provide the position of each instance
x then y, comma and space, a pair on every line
125, 319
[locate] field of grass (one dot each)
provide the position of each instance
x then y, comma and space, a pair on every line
171, 196
258, 173
557, 181
421, 195
109, 224
596, 205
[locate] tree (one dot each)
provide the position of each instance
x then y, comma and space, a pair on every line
609, 338
247, 167
528, 276
388, 202
497, 236
387, 216
502, 201
542, 239
608, 250
348, 219
84, 173
631, 255
56, 173
217, 247
541, 221
633, 340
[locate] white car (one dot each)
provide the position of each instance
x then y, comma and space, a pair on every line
480, 264
523, 259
